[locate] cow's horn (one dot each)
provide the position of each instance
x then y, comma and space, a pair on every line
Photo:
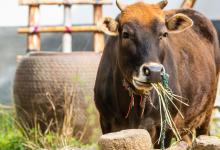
120, 5
163, 4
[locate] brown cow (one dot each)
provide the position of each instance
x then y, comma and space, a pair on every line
143, 40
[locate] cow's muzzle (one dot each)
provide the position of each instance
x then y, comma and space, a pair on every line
148, 73
152, 72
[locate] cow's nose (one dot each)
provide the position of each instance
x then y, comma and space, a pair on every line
153, 72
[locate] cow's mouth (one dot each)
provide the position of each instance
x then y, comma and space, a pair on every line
142, 85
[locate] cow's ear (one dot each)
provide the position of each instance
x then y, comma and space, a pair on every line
178, 23
109, 26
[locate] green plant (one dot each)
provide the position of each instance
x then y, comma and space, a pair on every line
11, 138
17, 136
58, 134
215, 123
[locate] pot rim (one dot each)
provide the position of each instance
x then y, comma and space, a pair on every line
74, 53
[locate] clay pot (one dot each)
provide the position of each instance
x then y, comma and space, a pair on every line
55, 91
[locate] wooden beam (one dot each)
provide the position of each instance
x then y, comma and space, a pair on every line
99, 40
19, 58
5, 107
63, 2
33, 39
188, 3
44, 29
67, 36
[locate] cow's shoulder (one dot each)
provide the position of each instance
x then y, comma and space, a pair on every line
202, 25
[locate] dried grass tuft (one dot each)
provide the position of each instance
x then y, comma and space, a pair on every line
166, 97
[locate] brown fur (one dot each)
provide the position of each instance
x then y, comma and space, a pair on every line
142, 13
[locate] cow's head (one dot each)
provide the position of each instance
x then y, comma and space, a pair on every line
142, 31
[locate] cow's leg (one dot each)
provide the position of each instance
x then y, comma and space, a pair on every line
204, 128
168, 139
105, 125
167, 142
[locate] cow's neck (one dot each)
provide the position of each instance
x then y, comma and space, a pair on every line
126, 94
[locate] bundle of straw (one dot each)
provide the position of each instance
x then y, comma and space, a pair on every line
166, 96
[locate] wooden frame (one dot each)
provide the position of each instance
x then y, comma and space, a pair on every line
67, 36
188, 3
33, 30
33, 39
63, 2
98, 38
46, 29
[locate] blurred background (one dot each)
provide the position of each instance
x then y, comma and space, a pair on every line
13, 16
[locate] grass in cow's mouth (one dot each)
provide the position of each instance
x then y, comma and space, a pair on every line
166, 96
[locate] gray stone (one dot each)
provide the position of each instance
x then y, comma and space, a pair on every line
133, 139
206, 143
180, 146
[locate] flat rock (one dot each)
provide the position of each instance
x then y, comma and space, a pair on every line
206, 143
133, 139
180, 146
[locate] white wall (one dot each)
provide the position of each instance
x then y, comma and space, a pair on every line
13, 15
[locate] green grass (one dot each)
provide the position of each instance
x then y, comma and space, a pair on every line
215, 123
12, 137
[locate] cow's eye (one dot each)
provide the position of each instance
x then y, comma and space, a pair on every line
165, 34
125, 35
162, 35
